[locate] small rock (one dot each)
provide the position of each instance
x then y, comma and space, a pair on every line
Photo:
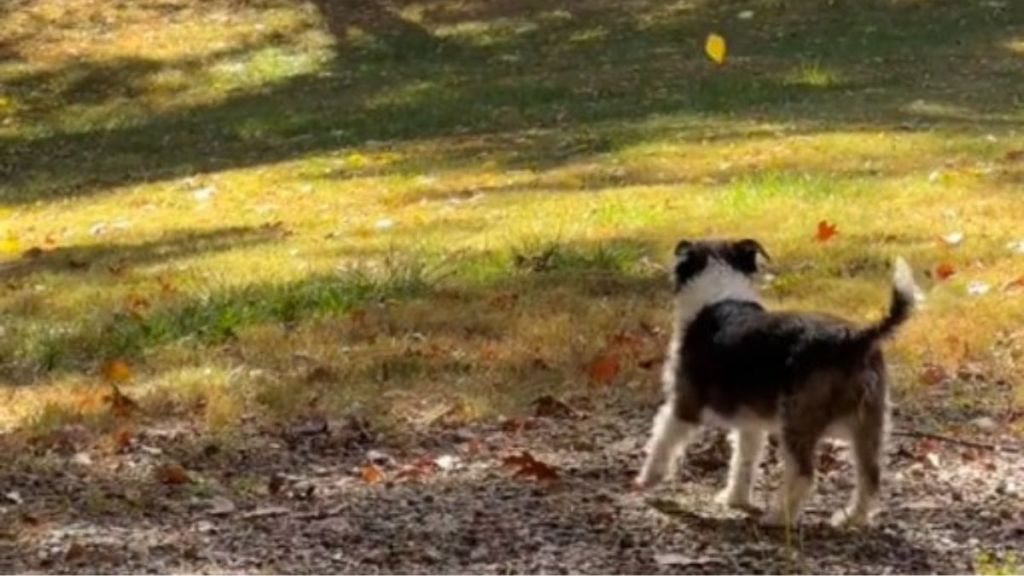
220, 506
984, 423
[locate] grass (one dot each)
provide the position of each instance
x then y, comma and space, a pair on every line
452, 208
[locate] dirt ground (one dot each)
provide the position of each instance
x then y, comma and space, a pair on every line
322, 497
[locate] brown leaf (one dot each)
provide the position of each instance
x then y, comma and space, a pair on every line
75, 552
1014, 285
417, 469
172, 474
370, 474
603, 369
32, 253
136, 305
529, 467
116, 371
123, 438
275, 483
932, 374
825, 231
548, 406
121, 405
944, 271
1014, 156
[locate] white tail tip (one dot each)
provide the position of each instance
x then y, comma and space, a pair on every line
903, 280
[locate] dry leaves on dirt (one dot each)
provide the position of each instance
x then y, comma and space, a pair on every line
526, 466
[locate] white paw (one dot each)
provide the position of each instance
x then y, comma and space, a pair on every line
649, 478
847, 518
733, 499
777, 518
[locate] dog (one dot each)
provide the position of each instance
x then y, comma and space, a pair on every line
802, 376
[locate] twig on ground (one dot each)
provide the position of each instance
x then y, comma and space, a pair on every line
960, 441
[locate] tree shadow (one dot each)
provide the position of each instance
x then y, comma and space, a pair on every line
570, 78
118, 257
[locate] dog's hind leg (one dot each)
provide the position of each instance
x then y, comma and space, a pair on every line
668, 440
798, 450
746, 452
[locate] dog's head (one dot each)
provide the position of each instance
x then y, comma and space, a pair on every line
707, 271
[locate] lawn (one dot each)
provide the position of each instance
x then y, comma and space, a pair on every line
434, 212
462, 204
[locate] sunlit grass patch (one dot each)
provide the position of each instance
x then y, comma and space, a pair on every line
315, 221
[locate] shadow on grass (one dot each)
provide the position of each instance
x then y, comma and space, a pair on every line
117, 258
538, 87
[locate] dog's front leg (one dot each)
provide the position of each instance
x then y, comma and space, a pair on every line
746, 452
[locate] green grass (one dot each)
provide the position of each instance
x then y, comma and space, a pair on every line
272, 208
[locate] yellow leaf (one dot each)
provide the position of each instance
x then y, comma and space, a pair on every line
714, 47
116, 371
10, 245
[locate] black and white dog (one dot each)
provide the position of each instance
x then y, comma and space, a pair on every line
802, 376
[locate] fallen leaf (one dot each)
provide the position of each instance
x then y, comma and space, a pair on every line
75, 552
116, 371
715, 48
825, 231
121, 405
932, 374
548, 406
1014, 285
953, 238
419, 468
1014, 156
370, 474
171, 474
528, 466
136, 305
944, 270
123, 438
603, 369
10, 245
32, 253
275, 483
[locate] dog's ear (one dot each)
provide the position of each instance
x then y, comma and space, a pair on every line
743, 255
690, 260
683, 247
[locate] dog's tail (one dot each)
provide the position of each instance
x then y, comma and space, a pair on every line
904, 293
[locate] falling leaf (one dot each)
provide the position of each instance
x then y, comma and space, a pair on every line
528, 466
116, 371
171, 474
603, 369
825, 231
370, 474
715, 48
978, 288
944, 270
953, 238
